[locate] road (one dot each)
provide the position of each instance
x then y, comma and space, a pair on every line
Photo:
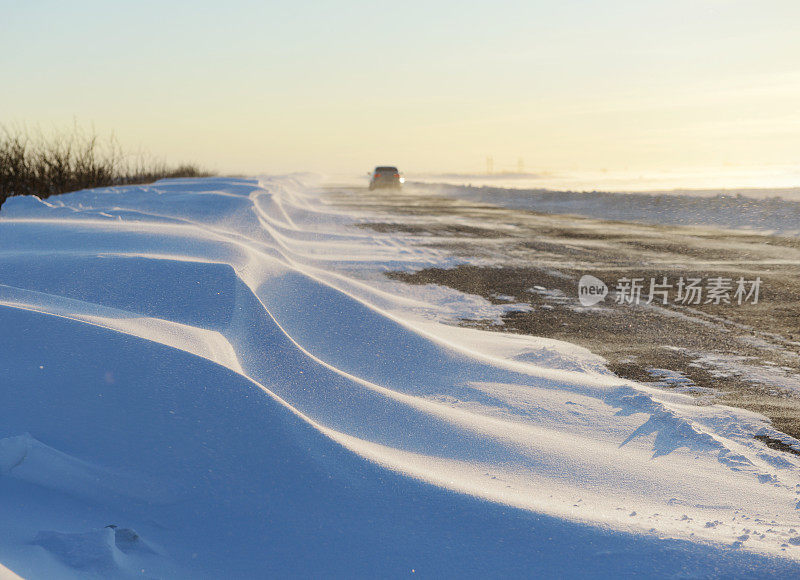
742, 354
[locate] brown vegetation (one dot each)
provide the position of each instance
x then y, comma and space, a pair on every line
34, 164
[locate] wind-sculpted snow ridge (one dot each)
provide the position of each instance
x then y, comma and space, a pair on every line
211, 377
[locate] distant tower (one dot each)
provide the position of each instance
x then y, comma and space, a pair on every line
489, 165
520, 166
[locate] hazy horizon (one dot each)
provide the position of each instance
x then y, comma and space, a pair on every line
253, 87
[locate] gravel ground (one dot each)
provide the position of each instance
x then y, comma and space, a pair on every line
745, 355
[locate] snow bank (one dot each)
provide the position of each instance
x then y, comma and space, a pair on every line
211, 377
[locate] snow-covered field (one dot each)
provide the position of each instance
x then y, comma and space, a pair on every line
218, 369
770, 211
753, 181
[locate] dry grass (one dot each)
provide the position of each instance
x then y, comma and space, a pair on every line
32, 163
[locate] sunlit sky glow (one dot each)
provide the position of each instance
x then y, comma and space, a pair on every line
242, 86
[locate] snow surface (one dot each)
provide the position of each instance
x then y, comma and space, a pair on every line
753, 181
212, 377
768, 211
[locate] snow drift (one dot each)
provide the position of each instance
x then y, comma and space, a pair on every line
211, 377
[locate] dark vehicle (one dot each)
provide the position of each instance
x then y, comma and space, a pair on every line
385, 176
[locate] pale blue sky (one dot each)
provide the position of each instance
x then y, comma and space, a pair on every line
267, 86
